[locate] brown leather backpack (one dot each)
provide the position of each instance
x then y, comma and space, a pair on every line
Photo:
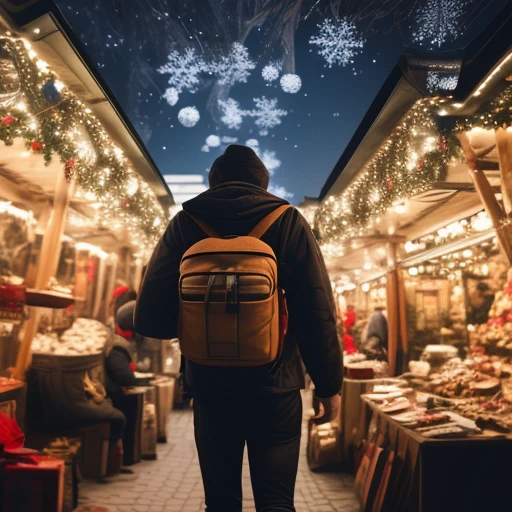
232, 311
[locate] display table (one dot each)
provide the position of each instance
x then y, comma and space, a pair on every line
425, 475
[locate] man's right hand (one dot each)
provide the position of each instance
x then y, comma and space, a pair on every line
329, 409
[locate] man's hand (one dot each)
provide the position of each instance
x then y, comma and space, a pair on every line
329, 409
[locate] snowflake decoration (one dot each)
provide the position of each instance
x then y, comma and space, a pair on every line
270, 161
184, 70
252, 143
270, 73
263, 133
338, 43
213, 141
267, 114
189, 116
437, 22
229, 140
205, 148
233, 68
172, 96
291, 83
441, 81
280, 191
233, 116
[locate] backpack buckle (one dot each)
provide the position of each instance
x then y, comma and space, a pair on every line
232, 294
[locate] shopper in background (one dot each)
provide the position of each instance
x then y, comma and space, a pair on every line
235, 406
375, 343
122, 295
348, 339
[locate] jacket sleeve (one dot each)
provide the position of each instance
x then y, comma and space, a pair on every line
156, 312
118, 368
311, 308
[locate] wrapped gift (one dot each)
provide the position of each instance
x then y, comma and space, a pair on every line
34, 485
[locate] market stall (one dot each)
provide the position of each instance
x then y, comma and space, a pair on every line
417, 212
81, 205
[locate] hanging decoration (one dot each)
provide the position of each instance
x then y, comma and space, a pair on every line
52, 121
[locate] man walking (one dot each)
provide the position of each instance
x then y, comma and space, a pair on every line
255, 405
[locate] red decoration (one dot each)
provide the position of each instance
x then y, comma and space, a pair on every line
442, 142
133, 368
69, 169
8, 120
390, 183
11, 436
36, 146
421, 163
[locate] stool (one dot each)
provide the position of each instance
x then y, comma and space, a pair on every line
93, 453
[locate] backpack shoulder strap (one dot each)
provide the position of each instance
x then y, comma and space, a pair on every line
261, 228
204, 227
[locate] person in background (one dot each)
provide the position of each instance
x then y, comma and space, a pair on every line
375, 344
122, 294
259, 406
348, 339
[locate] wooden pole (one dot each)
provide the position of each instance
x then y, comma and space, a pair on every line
110, 286
392, 307
100, 288
486, 193
48, 262
504, 145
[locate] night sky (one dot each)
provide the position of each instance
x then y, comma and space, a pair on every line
130, 42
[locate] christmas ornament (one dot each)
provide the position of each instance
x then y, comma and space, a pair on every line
69, 169
50, 92
36, 146
8, 120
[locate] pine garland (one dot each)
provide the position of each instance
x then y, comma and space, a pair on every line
52, 124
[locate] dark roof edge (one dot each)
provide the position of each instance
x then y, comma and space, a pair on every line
376, 110
485, 51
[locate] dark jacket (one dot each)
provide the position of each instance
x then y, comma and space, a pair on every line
118, 372
234, 209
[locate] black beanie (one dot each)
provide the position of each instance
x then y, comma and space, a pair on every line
239, 163
124, 317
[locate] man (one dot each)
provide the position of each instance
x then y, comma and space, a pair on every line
257, 406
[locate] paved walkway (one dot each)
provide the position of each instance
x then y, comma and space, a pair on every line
173, 482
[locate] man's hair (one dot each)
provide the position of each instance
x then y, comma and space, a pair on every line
239, 163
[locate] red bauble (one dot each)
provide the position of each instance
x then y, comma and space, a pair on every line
8, 120
442, 142
69, 169
421, 163
390, 183
36, 146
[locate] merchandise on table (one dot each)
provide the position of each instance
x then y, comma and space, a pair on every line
85, 337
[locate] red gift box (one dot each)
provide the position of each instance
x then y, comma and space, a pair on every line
32, 487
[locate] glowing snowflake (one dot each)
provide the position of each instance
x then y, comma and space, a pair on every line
280, 191
437, 22
441, 81
252, 143
189, 116
270, 161
229, 140
267, 113
233, 115
263, 133
205, 148
270, 73
235, 67
172, 96
184, 70
213, 141
338, 42
291, 83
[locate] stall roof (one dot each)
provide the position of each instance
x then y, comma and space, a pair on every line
485, 61
41, 22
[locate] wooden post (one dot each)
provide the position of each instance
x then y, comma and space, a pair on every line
504, 145
100, 288
110, 286
492, 207
48, 262
392, 307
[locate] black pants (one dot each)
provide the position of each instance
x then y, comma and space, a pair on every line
271, 427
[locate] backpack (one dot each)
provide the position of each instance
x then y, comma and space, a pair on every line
232, 311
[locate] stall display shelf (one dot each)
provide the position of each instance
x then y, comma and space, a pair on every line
49, 299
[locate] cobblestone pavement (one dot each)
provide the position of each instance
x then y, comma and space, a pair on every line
172, 483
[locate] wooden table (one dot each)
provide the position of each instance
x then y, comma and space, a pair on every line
466, 474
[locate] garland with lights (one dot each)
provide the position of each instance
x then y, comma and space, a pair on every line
393, 176
414, 156
52, 121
